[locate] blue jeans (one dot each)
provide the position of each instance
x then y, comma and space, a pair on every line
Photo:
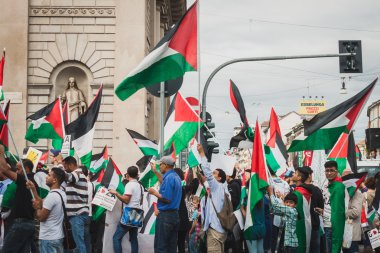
165, 238
328, 236
121, 230
51, 246
78, 226
255, 246
19, 237
315, 241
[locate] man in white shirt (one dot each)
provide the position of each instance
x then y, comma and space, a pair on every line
216, 235
50, 212
132, 198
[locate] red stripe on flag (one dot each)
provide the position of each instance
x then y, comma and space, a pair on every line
183, 111
54, 117
185, 39
258, 161
2, 63
274, 128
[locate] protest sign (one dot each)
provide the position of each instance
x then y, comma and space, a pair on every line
374, 238
104, 198
34, 155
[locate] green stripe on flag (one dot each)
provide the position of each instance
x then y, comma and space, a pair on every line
44, 131
86, 159
338, 214
301, 225
324, 138
156, 73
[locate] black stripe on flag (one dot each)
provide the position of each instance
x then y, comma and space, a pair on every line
147, 218
237, 102
281, 146
43, 111
85, 122
106, 180
136, 135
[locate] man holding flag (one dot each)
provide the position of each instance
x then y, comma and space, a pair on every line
216, 235
334, 213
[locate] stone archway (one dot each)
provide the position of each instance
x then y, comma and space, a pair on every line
61, 73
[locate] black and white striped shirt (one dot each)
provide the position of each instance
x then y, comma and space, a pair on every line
77, 194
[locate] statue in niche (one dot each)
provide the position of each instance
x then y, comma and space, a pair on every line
75, 100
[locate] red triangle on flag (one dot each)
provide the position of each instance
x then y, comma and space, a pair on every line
274, 129
55, 118
183, 111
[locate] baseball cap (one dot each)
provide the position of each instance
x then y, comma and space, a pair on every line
55, 152
167, 160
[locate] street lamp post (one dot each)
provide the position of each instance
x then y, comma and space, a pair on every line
272, 58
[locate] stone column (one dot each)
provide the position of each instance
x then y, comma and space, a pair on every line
14, 37
130, 50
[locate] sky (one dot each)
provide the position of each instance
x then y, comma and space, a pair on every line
246, 28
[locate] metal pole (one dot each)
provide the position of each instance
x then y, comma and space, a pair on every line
272, 58
162, 117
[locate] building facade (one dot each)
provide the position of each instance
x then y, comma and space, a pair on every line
95, 41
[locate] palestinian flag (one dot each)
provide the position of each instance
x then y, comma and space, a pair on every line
303, 225
57, 143
47, 123
148, 178
174, 55
147, 146
112, 177
181, 124
277, 156
343, 153
99, 161
371, 214
258, 181
4, 134
201, 191
238, 103
323, 130
82, 130
338, 203
2, 63
358, 153
40, 179
352, 182
149, 223
194, 158
143, 162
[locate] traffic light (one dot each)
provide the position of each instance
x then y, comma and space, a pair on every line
351, 63
209, 145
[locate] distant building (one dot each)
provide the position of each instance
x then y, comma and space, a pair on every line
373, 113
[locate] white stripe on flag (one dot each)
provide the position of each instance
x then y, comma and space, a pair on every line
83, 145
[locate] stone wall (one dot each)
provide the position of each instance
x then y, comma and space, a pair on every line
66, 32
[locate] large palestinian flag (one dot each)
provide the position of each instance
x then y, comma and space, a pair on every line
174, 55
99, 161
277, 156
2, 63
82, 130
323, 130
258, 181
303, 225
147, 146
181, 125
47, 123
4, 135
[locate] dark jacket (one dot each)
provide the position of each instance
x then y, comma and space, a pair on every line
316, 201
234, 188
184, 222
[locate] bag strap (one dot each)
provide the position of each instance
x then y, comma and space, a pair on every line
63, 205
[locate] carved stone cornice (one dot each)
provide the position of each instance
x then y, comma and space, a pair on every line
48, 11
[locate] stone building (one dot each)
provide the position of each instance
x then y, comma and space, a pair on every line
373, 113
96, 41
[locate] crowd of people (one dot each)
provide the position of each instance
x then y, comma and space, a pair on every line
293, 216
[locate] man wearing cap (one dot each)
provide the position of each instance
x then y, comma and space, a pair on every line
169, 198
316, 209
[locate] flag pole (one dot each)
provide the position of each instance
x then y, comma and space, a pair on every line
199, 69
18, 154
162, 117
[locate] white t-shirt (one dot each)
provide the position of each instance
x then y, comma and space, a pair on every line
133, 189
51, 229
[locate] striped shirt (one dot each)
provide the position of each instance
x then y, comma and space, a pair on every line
77, 193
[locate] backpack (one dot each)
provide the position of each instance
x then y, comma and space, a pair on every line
226, 216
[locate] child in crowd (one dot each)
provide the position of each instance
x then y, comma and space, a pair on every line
195, 228
290, 214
